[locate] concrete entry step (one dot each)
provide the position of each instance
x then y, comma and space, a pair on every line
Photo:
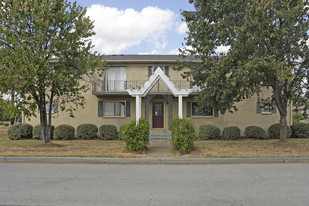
160, 136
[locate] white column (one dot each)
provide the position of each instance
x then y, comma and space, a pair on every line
138, 108
180, 106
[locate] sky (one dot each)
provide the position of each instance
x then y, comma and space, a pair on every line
137, 26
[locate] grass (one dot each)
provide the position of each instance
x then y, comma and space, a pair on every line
203, 149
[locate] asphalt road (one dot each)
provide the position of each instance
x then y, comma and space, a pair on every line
108, 184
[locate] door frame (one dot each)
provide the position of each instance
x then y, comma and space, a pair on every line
153, 113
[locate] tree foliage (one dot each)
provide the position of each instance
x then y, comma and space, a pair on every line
45, 50
268, 46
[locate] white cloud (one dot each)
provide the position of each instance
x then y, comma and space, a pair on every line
174, 51
223, 49
182, 28
117, 30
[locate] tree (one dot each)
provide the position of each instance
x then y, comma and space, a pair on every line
45, 50
268, 42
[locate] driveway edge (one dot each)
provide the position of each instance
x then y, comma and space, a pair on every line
153, 160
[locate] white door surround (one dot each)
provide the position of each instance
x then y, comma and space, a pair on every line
145, 89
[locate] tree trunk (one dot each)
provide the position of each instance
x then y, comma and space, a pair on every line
283, 128
43, 120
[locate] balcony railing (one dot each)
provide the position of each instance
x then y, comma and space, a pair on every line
122, 86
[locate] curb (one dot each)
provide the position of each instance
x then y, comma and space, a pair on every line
153, 160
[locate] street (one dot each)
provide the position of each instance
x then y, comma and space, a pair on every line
113, 184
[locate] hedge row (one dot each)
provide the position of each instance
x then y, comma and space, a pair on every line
65, 132
299, 130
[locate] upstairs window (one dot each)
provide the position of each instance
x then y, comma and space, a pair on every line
152, 69
114, 79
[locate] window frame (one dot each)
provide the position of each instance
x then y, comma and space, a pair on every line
266, 109
55, 107
200, 115
152, 69
124, 112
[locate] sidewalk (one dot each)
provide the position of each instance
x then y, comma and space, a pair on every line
153, 160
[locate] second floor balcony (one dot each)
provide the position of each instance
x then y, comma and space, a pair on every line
120, 87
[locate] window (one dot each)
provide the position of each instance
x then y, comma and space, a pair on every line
266, 107
113, 109
115, 78
54, 107
152, 69
192, 111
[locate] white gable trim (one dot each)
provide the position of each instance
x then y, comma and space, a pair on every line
153, 79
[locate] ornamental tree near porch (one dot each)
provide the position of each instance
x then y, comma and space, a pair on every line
44, 53
268, 46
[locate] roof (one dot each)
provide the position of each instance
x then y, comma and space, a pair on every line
148, 58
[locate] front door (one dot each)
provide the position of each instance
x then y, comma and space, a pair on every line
157, 115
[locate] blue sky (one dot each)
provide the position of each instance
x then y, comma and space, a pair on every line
137, 26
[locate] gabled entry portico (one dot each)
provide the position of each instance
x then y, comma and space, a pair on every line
138, 93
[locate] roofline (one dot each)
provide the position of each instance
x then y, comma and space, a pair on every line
149, 58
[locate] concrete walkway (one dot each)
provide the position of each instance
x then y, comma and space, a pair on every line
159, 148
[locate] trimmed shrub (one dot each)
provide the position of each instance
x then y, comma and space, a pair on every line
20, 131
135, 136
108, 132
6, 124
37, 132
255, 132
1, 123
120, 135
274, 131
64, 131
231, 132
183, 134
87, 131
300, 130
209, 132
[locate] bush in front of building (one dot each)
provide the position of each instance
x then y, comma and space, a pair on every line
232, 132
1, 123
87, 131
183, 135
37, 132
64, 132
108, 132
274, 131
120, 135
135, 136
20, 131
300, 130
255, 132
209, 131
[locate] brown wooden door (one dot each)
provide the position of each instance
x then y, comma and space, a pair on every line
157, 115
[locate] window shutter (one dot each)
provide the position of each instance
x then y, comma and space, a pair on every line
100, 108
149, 71
274, 108
216, 113
189, 109
258, 108
128, 109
